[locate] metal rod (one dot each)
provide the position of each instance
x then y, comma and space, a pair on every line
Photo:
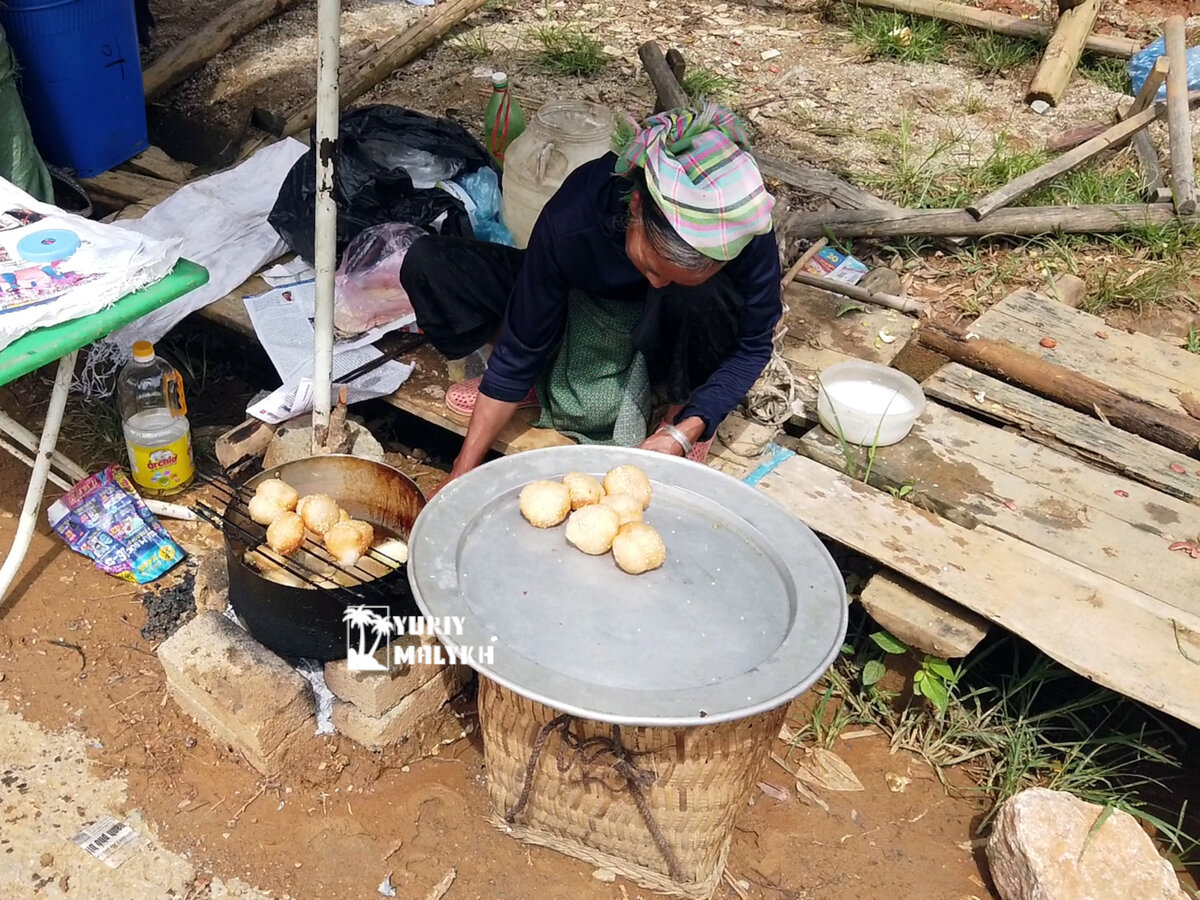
41, 471
325, 244
24, 457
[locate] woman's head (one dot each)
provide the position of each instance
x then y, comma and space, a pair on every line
655, 247
698, 197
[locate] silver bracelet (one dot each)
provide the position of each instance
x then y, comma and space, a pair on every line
680, 438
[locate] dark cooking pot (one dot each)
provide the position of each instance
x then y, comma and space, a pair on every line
307, 622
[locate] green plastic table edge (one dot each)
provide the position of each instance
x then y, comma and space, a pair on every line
46, 345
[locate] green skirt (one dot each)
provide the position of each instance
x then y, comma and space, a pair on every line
597, 389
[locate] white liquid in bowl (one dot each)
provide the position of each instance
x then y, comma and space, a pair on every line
869, 398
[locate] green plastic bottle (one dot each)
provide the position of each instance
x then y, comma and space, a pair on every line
504, 119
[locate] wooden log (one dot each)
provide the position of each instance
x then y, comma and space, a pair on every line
1154, 80
1062, 53
1174, 430
922, 618
1115, 136
1179, 125
670, 94
1017, 221
363, 73
854, 292
129, 187
155, 162
1153, 188
1000, 23
191, 53
817, 246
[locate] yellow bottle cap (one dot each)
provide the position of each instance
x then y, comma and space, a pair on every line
143, 351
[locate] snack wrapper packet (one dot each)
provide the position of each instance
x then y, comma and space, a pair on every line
103, 518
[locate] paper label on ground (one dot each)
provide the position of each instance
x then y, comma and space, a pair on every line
108, 840
838, 266
283, 320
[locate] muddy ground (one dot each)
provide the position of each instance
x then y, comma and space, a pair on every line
90, 731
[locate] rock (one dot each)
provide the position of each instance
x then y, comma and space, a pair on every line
1069, 290
374, 693
406, 719
1040, 849
212, 581
47, 860
881, 281
293, 440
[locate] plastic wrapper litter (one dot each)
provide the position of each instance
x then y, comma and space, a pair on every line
386, 164
103, 518
1143, 61
367, 284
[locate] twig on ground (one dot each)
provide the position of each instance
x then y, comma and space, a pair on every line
442, 887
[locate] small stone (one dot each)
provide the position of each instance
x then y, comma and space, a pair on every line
64, 884
419, 454
1041, 107
1103, 335
1045, 846
608, 876
47, 860
769, 54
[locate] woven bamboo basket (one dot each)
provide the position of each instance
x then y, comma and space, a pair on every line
669, 832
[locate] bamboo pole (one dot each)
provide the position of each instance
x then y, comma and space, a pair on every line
1015, 221
1179, 125
1062, 53
1013, 26
190, 54
854, 292
325, 240
1114, 136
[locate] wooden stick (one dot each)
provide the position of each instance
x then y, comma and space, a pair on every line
1154, 80
1179, 125
1017, 221
854, 292
129, 187
1175, 430
1013, 26
1153, 187
670, 94
1062, 53
1115, 136
186, 57
817, 246
362, 74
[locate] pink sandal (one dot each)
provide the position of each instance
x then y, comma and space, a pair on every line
461, 397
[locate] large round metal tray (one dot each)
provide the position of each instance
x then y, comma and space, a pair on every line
748, 611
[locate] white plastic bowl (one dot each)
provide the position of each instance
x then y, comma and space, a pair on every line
868, 404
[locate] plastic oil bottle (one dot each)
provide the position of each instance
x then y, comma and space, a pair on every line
154, 416
504, 120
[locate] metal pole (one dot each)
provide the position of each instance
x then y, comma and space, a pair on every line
325, 249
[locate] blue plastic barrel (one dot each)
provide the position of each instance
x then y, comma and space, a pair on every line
80, 79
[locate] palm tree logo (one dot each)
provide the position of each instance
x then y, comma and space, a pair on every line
362, 619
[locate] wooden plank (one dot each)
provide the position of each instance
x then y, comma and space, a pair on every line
130, 187
1000, 23
1137, 364
1105, 631
1154, 80
1049, 423
922, 618
154, 162
974, 473
1063, 52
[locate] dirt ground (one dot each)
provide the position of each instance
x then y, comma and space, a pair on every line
87, 728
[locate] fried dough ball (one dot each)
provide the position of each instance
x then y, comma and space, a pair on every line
593, 528
637, 548
627, 508
319, 511
286, 533
629, 479
585, 490
545, 503
343, 516
264, 510
395, 551
348, 541
278, 492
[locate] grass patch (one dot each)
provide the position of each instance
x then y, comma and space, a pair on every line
1192, 342
889, 35
568, 51
1114, 181
473, 44
995, 54
1106, 71
1147, 285
702, 83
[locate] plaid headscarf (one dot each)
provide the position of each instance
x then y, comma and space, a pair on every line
699, 171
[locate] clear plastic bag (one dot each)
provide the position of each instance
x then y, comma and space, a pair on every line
367, 290
1143, 61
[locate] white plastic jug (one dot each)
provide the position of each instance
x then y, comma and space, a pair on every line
560, 137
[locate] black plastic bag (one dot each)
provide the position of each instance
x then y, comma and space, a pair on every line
369, 187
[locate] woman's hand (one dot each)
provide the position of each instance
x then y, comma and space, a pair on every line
661, 442
487, 421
